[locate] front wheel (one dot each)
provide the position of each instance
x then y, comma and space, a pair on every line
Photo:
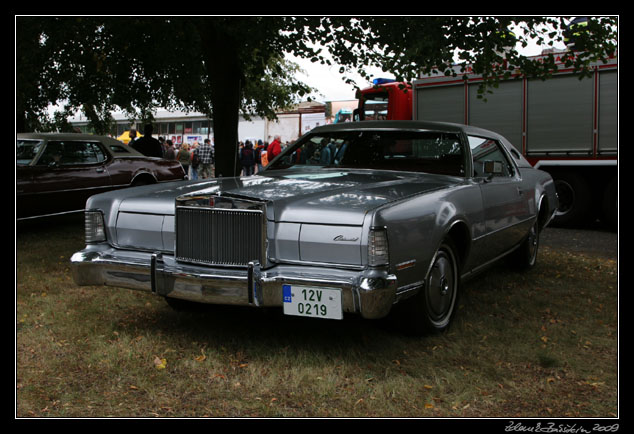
432, 308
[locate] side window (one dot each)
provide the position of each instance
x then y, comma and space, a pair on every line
119, 149
489, 158
68, 153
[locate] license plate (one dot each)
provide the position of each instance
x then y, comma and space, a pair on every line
312, 302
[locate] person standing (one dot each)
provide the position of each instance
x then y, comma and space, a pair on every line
184, 157
148, 145
132, 136
195, 163
274, 148
247, 158
258, 155
170, 153
264, 156
205, 153
161, 140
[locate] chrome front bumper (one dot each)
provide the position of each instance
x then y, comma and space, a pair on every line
370, 292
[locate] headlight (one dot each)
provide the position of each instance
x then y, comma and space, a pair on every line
378, 252
95, 227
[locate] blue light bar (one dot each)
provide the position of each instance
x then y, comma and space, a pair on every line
378, 81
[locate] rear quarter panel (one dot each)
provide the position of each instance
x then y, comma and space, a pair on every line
545, 195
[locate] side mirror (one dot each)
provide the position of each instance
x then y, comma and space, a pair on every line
493, 168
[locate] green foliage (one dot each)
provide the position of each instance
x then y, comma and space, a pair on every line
410, 46
139, 63
223, 65
102, 64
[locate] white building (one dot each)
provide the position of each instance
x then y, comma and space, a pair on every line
182, 127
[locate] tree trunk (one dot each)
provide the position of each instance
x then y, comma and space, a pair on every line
220, 54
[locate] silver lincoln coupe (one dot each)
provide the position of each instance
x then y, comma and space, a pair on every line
372, 218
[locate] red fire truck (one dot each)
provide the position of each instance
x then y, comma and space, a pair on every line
563, 125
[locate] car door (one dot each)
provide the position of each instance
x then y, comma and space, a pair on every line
66, 174
505, 201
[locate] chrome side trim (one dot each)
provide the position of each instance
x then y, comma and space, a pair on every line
408, 290
531, 218
51, 215
487, 264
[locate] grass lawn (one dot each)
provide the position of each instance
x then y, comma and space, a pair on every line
537, 344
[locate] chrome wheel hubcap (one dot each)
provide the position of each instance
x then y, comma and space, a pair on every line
441, 288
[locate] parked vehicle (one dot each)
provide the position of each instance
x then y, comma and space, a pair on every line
343, 115
56, 173
563, 125
385, 100
393, 219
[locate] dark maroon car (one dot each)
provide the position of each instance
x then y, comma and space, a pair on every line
56, 173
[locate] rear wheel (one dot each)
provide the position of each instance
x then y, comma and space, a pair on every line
525, 257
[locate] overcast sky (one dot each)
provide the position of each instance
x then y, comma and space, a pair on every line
328, 81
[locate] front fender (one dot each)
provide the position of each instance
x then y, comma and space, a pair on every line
418, 225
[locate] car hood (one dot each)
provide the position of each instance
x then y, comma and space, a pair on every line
325, 196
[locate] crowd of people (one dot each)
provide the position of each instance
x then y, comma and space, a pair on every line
198, 159
253, 157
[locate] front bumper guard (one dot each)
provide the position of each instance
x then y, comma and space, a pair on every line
370, 292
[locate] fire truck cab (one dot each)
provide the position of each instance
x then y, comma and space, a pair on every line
385, 100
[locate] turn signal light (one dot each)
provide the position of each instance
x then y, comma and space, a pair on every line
378, 253
94, 227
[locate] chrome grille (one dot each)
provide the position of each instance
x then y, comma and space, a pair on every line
217, 236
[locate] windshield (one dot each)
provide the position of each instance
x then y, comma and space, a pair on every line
26, 151
412, 151
375, 106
